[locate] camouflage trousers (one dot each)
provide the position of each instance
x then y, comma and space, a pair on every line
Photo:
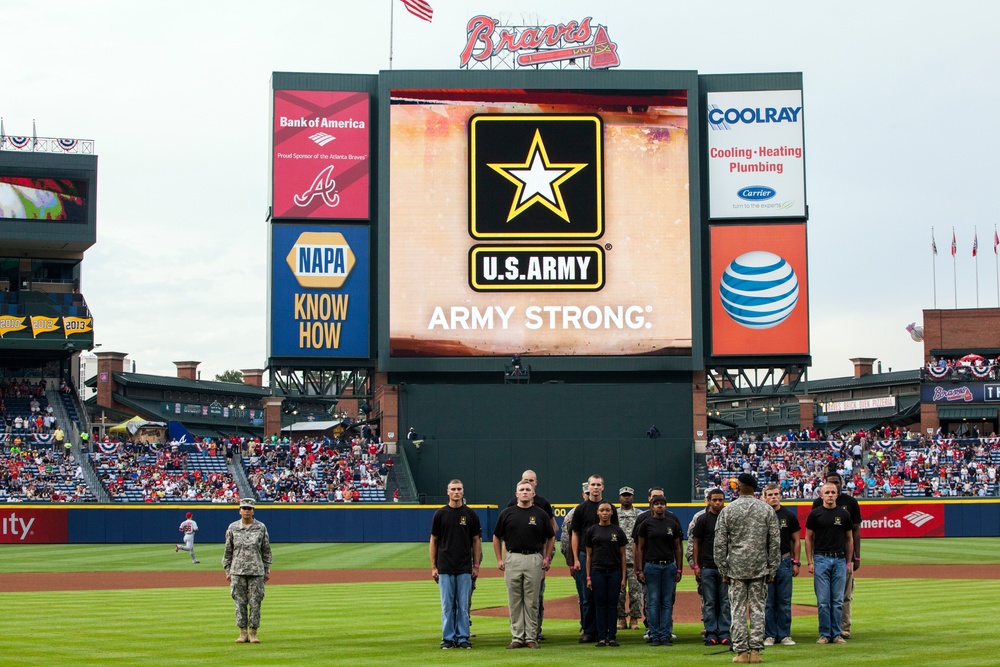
247, 592
634, 596
748, 600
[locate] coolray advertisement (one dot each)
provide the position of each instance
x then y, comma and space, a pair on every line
321, 155
320, 283
540, 222
755, 154
759, 289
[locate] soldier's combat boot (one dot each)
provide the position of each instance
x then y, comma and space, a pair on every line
253, 635
742, 658
623, 623
755, 658
242, 639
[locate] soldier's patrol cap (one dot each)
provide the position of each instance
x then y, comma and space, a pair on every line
657, 499
246, 502
746, 479
586, 487
626, 491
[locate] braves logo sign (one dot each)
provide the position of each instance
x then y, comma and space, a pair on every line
958, 394
547, 44
323, 186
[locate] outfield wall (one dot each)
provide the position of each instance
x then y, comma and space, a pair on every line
117, 524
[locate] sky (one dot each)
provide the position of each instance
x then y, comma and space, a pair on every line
176, 97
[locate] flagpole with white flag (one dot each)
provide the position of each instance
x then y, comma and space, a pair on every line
975, 255
934, 267
954, 270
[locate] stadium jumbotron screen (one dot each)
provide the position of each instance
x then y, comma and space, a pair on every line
542, 222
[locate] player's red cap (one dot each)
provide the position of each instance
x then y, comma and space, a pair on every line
189, 515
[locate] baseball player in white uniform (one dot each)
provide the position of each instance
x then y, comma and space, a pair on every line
189, 527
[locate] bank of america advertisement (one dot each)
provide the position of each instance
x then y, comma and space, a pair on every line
539, 222
320, 154
755, 154
319, 291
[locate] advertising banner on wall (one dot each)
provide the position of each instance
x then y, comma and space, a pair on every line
755, 154
959, 393
321, 152
320, 285
539, 222
33, 526
759, 290
896, 519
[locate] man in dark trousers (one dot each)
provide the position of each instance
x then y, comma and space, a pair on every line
456, 552
849, 503
527, 533
778, 614
829, 540
585, 516
715, 593
541, 502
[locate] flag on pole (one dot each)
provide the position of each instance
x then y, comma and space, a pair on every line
34, 135
975, 243
419, 8
933, 244
3, 138
954, 245
996, 240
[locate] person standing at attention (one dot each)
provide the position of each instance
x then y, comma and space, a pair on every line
605, 556
247, 561
456, 552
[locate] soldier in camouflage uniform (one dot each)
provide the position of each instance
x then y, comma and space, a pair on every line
627, 515
747, 551
247, 561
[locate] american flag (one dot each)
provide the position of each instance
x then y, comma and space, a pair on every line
933, 244
975, 243
954, 244
996, 240
419, 8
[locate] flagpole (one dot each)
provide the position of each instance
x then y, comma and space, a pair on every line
391, 15
975, 248
934, 268
954, 270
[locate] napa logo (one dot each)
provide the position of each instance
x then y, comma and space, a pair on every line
756, 193
321, 260
759, 290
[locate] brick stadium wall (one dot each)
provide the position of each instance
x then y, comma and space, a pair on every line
107, 524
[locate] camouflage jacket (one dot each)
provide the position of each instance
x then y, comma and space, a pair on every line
689, 545
248, 549
626, 521
564, 538
747, 539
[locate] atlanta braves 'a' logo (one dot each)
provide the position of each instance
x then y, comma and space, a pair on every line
323, 186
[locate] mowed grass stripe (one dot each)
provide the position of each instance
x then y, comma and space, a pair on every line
896, 623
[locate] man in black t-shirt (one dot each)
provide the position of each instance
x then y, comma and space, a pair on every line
848, 502
526, 532
585, 516
540, 502
778, 613
456, 552
829, 540
715, 610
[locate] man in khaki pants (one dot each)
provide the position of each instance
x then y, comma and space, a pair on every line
526, 532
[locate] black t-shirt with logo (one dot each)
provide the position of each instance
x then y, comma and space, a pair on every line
524, 528
829, 527
704, 530
788, 522
648, 514
661, 537
848, 502
455, 529
585, 516
605, 541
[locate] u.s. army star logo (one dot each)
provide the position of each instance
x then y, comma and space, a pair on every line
536, 176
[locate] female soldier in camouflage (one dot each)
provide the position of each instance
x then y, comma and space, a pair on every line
247, 561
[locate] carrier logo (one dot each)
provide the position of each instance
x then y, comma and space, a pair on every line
322, 138
532, 177
918, 518
756, 193
321, 260
721, 119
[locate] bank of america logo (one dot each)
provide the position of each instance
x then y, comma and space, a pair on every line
918, 518
322, 138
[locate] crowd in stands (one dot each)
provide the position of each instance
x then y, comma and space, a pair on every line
39, 475
318, 470
885, 463
160, 472
969, 367
24, 410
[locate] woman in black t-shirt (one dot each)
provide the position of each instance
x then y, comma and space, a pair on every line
605, 546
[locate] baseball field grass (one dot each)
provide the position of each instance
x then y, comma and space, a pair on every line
898, 621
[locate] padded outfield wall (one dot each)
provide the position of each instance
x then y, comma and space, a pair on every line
115, 524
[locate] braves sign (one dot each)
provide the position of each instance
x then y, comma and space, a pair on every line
539, 45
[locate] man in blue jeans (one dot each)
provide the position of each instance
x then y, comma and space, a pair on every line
585, 516
715, 612
829, 542
658, 560
778, 614
456, 552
